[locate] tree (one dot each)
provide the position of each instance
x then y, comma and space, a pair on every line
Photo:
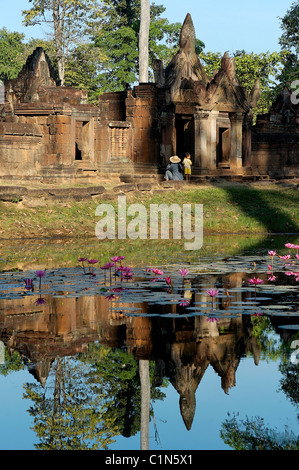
117, 35
67, 20
289, 41
144, 41
11, 54
82, 69
290, 26
253, 434
67, 415
250, 66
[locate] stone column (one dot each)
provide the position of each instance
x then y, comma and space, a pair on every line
236, 120
247, 139
213, 139
205, 130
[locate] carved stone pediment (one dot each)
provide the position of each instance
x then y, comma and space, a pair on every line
185, 68
225, 94
36, 73
187, 82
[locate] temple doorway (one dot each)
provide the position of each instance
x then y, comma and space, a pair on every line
184, 125
223, 147
83, 140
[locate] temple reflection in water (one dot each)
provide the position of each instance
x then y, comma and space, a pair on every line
182, 347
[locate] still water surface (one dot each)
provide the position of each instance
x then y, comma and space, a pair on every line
218, 373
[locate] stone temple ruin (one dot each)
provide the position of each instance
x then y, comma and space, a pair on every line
50, 133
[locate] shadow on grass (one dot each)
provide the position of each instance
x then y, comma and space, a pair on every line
257, 205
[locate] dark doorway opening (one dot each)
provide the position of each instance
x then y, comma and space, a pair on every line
223, 147
184, 125
78, 153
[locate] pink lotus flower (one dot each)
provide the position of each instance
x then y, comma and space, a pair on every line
184, 272
168, 280
212, 319
285, 257
81, 260
255, 281
40, 273
271, 253
92, 262
269, 267
289, 273
109, 265
157, 271
110, 297
272, 278
289, 245
297, 256
128, 275
212, 292
184, 303
28, 284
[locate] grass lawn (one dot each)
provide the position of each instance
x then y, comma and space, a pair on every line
227, 209
237, 219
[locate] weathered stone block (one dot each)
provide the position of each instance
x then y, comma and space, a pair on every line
144, 187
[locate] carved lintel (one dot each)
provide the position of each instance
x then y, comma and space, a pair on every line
237, 117
200, 114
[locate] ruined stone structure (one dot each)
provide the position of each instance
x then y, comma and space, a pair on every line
45, 130
50, 133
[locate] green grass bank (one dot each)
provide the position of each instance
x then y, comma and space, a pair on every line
227, 209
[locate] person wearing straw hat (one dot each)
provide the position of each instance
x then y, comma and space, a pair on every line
174, 170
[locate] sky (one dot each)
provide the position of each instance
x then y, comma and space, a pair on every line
229, 25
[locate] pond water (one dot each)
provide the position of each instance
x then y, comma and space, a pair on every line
206, 347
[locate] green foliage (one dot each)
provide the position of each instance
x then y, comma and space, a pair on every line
88, 400
289, 381
67, 415
13, 363
66, 20
11, 53
250, 66
82, 69
290, 26
117, 36
253, 434
289, 41
116, 374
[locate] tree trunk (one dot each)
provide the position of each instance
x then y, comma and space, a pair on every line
144, 41
58, 20
145, 404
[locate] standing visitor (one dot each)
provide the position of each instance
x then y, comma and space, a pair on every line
187, 166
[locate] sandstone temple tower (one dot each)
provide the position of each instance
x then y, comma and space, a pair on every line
51, 133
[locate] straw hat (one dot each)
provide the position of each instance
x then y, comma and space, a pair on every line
175, 159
